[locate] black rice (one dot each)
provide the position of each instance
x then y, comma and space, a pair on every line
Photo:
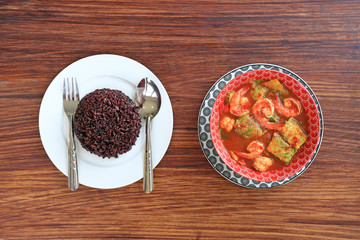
107, 122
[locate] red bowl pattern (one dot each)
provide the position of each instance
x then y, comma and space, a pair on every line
312, 115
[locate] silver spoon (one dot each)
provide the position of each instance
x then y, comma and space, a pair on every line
148, 98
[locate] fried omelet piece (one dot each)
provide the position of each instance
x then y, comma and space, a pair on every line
276, 86
257, 92
247, 127
281, 149
293, 133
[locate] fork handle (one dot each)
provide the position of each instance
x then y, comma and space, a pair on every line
73, 178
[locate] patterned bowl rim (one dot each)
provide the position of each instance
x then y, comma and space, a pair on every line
207, 143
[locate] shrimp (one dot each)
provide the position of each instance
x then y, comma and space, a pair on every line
236, 158
255, 148
240, 105
262, 163
227, 123
291, 107
262, 110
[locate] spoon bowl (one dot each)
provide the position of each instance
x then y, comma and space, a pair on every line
148, 98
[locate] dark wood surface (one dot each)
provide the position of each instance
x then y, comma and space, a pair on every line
188, 45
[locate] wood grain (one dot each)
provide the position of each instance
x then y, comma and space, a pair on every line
188, 45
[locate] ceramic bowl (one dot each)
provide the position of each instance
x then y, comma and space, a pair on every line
311, 107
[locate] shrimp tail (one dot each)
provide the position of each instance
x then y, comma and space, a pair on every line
251, 155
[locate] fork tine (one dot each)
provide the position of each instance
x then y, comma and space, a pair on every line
68, 94
72, 94
64, 89
77, 94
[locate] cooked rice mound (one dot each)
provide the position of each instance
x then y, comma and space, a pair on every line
107, 122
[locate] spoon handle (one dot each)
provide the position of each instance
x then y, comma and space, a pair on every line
148, 165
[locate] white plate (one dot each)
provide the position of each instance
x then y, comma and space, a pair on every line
95, 72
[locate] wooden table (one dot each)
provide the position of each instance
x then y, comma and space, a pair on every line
188, 45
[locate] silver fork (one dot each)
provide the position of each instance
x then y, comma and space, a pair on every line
70, 102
